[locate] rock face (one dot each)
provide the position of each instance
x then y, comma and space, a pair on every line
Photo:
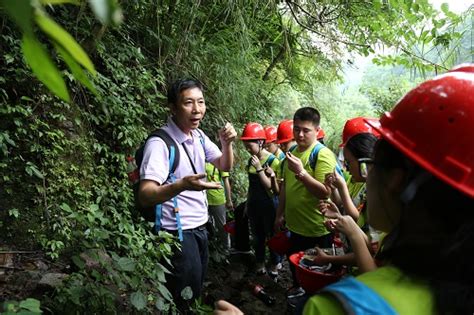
51, 280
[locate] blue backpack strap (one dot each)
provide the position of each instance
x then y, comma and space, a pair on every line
173, 151
339, 169
313, 157
269, 160
358, 299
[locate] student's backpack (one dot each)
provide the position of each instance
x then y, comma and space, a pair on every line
149, 213
313, 158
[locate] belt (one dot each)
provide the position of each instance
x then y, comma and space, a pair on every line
199, 228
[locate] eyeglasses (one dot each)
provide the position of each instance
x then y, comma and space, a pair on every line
363, 166
363, 163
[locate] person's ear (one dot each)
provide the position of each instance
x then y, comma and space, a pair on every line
395, 181
172, 108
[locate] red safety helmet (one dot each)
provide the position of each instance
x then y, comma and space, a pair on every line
285, 131
433, 125
229, 227
321, 134
270, 133
253, 131
310, 280
280, 243
357, 125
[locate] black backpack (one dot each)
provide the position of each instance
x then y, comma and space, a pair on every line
148, 213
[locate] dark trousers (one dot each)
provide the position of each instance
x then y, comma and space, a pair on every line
189, 265
300, 243
262, 218
242, 240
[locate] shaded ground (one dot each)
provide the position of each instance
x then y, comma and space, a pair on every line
234, 282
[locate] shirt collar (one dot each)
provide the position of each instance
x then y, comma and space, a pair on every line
181, 137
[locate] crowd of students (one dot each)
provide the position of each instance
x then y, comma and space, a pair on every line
400, 203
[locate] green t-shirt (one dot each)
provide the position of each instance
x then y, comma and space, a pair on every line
357, 193
301, 207
404, 294
215, 197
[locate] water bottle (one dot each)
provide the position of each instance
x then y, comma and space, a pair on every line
133, 172
259, 292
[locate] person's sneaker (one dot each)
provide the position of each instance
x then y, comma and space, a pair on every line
273, 275
234, 251
294, 292
297, 303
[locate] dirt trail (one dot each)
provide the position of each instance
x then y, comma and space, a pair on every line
232, 282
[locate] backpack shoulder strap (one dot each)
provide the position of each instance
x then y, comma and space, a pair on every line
357, 298
269, 160
313, 157
173, 162
171, 145
201, 137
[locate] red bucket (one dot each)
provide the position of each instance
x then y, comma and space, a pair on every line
312, 281
229, 227
280, 243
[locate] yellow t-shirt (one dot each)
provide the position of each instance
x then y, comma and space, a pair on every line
301, 207
402, 293
215, 197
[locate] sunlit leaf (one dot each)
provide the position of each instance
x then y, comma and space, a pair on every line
106, 11
43, 67
63, 38
76, 70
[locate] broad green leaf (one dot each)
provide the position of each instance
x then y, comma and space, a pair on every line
76, 70
43, 67
445, 8
126, 264
21, 12
52, 2
101, 9
106, 11
78, 261
63, 38
32, 305
138, 300
165, 293
160, 304
65, 207
187, 293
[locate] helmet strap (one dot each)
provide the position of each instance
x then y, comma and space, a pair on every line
412, 188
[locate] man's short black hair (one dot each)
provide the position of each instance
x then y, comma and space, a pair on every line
308, 114
180, 85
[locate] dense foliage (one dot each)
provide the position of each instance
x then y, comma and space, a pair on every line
62, 164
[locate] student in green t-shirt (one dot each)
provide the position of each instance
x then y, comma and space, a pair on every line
302, 188
219, 201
